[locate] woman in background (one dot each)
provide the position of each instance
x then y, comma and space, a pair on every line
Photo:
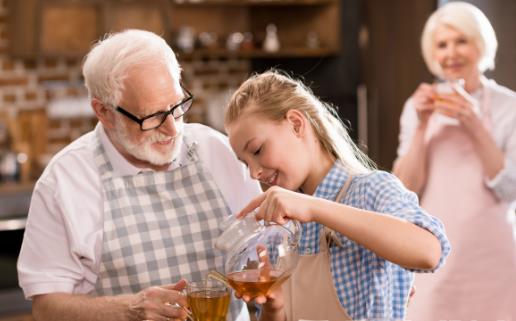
464, 172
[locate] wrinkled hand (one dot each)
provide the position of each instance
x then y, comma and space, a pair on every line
157, 303
460, 106
280, 205
423, 99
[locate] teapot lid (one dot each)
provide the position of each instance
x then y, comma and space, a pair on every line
235, 230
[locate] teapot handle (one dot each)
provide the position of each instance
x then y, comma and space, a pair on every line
295, 231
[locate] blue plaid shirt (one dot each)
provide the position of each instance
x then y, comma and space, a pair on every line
368, 286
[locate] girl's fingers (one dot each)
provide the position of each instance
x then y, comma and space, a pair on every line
254, 204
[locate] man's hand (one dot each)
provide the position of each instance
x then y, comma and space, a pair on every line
160, 303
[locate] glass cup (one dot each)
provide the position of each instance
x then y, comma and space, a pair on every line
208, 300
447, 88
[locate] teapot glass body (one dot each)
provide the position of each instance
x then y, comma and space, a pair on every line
258, 256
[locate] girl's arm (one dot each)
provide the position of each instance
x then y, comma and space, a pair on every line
392, 238
395, 239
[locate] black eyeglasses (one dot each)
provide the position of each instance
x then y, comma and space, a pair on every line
155, 120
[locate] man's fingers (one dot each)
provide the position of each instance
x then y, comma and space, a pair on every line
174, 311
179, 286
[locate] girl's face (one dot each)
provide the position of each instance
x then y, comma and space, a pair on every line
274, 153
457, 54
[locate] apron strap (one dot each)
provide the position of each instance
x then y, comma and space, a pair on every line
330, 235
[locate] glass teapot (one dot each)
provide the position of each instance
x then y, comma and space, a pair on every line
258, 256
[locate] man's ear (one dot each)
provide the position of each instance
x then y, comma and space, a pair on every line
103, 113
298, 121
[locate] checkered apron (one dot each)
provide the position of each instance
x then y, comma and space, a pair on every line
159, 227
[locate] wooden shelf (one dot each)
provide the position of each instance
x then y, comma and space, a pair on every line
254, 3
256, 53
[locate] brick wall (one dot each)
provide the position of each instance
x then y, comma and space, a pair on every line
28, 86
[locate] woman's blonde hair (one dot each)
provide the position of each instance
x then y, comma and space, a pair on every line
470, 21
273, 94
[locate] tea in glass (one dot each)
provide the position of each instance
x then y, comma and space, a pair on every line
208, 300
252, 282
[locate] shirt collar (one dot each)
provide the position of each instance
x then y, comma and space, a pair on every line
332, 182
121, 166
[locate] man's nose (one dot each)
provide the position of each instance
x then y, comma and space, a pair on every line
170, 126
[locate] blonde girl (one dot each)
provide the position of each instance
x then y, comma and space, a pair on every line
363, 232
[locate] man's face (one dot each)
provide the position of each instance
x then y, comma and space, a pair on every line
149, 89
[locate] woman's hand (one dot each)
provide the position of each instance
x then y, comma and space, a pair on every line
423, 99
280, 205
460, 106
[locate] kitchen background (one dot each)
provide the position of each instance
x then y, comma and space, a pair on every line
361, 55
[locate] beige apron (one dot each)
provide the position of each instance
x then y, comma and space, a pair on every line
310, 292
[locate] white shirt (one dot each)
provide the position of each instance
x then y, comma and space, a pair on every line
62, 244
502, 111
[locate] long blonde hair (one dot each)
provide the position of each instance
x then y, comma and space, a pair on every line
273, 94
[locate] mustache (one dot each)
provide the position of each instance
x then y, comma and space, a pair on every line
161, 137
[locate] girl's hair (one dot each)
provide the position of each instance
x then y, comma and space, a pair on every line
273, 94
108, 62
470, 21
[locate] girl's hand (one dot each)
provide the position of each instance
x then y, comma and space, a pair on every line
461, 107
272, 304
423, 99
280, 205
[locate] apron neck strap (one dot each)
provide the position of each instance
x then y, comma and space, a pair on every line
329, 236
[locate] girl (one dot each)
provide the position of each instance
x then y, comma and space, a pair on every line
363, 232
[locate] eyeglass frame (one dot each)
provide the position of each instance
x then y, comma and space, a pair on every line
165, 114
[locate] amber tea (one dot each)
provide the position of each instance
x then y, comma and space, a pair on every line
251, 283
207, 301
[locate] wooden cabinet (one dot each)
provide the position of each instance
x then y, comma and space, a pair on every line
295, 21
69, 27
53, 27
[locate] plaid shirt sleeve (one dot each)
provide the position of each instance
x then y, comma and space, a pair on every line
388, 195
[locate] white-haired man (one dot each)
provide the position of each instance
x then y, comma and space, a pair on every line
123, 215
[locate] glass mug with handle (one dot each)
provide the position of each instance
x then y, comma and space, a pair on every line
455, 87
208, 300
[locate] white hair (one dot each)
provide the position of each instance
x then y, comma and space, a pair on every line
107, 63
467, 19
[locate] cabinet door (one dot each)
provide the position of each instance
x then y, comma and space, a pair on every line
147, 15
68, 29
53, 27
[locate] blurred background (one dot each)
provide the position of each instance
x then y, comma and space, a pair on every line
361, 55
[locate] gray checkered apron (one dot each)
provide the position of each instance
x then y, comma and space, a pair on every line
159, 227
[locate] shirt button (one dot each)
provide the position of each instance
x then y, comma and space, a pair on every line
308, 251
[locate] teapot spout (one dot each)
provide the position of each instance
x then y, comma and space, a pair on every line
216, 275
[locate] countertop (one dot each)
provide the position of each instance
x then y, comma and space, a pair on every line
14, 205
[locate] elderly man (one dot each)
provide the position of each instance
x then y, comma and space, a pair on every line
128, 209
